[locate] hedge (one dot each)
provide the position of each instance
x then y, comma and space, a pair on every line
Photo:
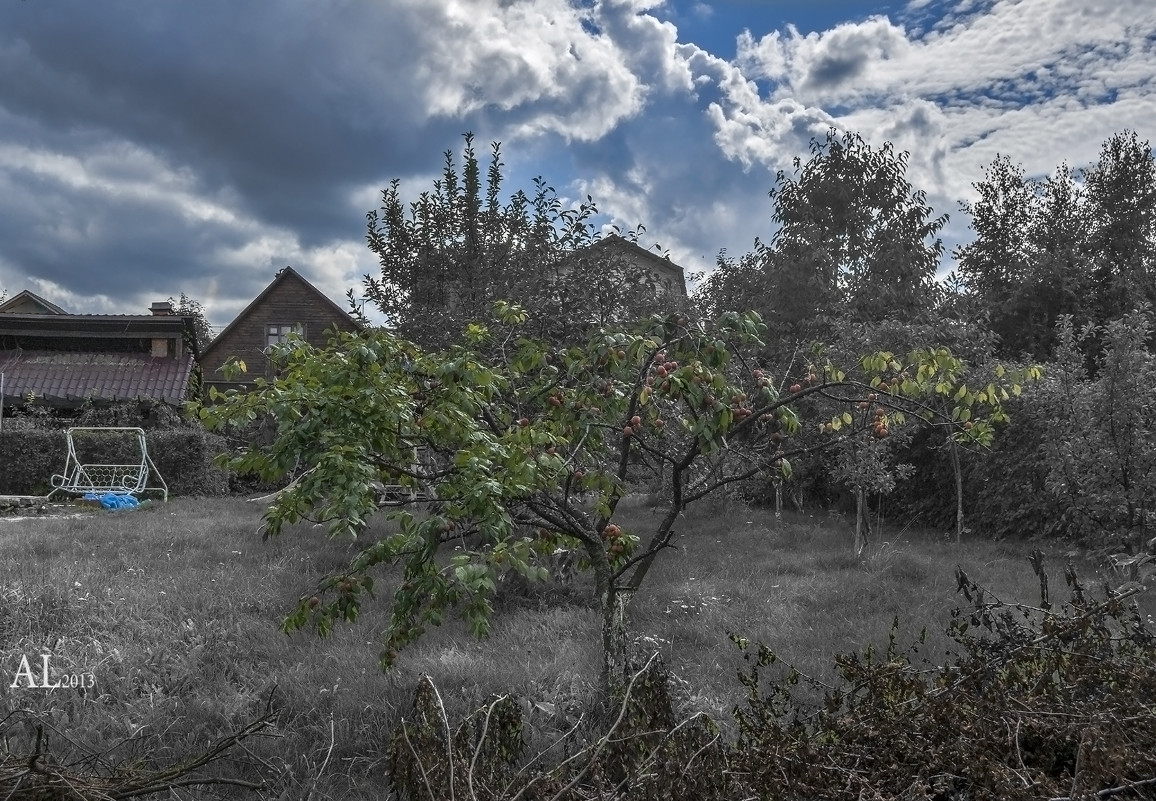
183, 456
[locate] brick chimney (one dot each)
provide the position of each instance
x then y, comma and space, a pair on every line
160, 345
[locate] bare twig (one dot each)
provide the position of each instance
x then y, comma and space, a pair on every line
481, 742
1111, 791
605, 739
328, 753
543, 753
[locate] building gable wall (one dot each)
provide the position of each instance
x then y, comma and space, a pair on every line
290, 300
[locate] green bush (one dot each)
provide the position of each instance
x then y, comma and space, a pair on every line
184, 457
1005, 491
28, 459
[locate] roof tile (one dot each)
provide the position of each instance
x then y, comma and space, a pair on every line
75, 377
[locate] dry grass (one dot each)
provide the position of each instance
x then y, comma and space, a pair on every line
174, 611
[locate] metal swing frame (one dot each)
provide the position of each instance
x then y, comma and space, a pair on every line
80, 478
397, 493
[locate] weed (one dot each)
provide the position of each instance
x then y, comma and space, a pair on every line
175, 611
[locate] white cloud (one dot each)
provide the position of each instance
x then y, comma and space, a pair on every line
820, 65
118, 171
332, 268
534, 57
1012, 44
1039, 80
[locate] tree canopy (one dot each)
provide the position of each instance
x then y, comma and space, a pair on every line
852, 239
1072, 243
450, 254
527, 446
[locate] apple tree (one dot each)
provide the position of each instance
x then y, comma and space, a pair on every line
528, 449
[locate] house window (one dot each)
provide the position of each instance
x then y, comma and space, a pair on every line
279, 332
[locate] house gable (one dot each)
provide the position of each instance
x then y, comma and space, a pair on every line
288, 303
29, 303
664, 270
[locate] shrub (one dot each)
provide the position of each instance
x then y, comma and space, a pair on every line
1037, 702
28, 459
184, 457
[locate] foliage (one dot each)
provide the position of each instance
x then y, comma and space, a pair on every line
1006, 484
532, 451
880, 469
1100, 454
1121, 190
1078, 244
450, 254
189, 307
852, 239
426, 759
1039, 702
869, 467
29, 458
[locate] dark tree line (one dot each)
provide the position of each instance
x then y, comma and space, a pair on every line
852, 258
1079, 243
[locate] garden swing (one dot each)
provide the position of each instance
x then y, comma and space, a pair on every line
83, 475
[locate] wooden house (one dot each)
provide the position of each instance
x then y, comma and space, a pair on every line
290, 304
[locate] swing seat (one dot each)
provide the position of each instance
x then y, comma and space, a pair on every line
82, 477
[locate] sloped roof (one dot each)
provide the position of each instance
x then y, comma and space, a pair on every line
97, 326
666, 269
283, 275
71, 378
24, 302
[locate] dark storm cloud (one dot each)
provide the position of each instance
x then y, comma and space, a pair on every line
202, 139
152, 148
264, 98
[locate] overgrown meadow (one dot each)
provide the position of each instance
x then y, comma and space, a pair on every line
174, 612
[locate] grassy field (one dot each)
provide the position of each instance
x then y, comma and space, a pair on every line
174, 612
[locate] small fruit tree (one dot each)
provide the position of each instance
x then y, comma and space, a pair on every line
521, 434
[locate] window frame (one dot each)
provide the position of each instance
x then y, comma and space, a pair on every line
282, 332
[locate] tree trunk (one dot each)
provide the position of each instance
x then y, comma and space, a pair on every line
862, 522
615, 641
612, 601
958, 470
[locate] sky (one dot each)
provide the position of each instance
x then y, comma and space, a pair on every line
153, 149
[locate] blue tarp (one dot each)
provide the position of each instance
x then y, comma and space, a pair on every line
111, 500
